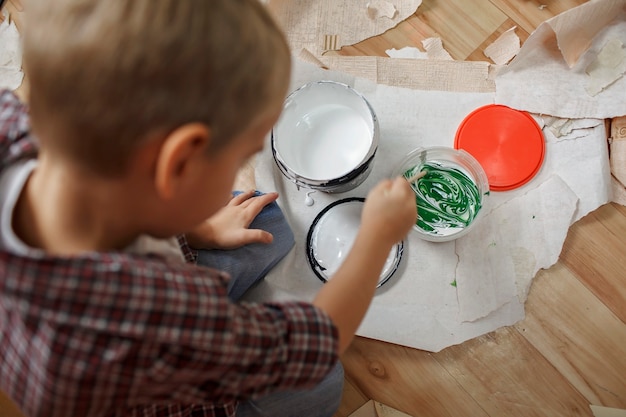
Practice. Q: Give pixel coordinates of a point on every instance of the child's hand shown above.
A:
(228, 228)
(390, 210)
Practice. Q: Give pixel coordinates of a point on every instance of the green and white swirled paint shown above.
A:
(447, 198)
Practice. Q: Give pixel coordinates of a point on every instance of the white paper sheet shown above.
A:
(419, 306)
(499, 259)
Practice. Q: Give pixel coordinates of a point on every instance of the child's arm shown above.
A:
(388, 215)
(229, 227)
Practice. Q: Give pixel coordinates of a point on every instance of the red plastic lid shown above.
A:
(508, 143)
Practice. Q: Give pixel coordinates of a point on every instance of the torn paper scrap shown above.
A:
(503, 49)
(435, 50)
(567, 129)
(618, 157)
(499, 259)
(381, 8)
(11, 74)
(539, 80)
(307, 56)
(618, 151)
(608, 67)
(618, 192)
(385, 411)
(323, 25)
(599, 411)
(375, 409)
(618, 160)
(408, 52)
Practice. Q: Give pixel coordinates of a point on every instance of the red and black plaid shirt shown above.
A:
(115, 334)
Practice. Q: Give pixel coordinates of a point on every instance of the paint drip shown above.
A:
(308, 201)
(447, 199)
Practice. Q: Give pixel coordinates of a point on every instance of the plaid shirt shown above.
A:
(114, 334)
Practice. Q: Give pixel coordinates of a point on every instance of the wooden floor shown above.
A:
(570, 350)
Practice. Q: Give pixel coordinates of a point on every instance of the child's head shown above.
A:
(106, 76)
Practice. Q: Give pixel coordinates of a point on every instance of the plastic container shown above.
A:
(326, 137)
(450, 197)
(508, 143)
(332, 235)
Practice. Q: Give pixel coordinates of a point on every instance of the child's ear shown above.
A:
(178, 152)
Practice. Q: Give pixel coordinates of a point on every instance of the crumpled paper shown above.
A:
(439, 297)
(549, 74)
(11, 74)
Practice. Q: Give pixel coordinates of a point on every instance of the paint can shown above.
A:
(332, 235)
(326, 137)
(451, 194)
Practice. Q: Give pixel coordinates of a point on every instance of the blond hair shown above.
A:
(106, 75)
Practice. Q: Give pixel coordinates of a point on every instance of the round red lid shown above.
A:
(508, 143)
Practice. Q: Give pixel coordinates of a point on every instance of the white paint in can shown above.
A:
(328, 142)
(326, 132)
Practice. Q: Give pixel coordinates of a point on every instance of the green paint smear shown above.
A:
(453, 283)
(446, 197)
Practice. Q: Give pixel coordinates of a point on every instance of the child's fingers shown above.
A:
(389, 188)
(240, 198)
(402, 185)
(256, 236)
(256, 204)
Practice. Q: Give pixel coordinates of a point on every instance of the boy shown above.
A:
(143, 112)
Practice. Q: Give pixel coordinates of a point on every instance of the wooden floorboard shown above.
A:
(578, 335)
(595, 251)
(409, 380)
(507, 376)
(353, 398)
(528, 14)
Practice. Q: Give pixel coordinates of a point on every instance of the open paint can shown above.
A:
(332, 235)
(450, 188)
(326, 137)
